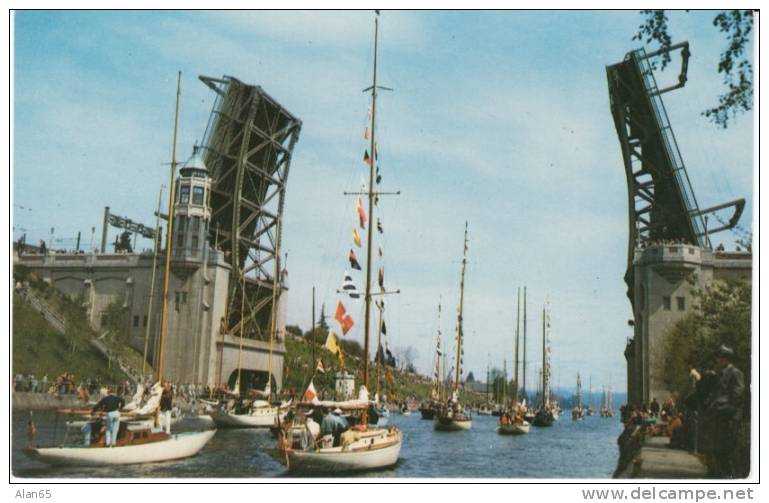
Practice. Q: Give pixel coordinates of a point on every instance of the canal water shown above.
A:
(584, 449)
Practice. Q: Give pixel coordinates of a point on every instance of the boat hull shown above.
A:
(513, 429)
(338, 459)
(262, 420)
(427, 413)
(448, 424)
(178, 446)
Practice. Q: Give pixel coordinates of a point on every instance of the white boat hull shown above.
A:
(514, 429)
(178, 446)
(359, 456)
(261, 419)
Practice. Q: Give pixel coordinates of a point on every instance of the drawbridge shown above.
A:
(248, 144)
(662, 206)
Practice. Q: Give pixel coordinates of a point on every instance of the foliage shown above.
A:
(116, 320)
(734, 63)
(721, 316)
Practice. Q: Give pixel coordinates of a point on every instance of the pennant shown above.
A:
(310, 394)
(379, 226)
(379, 250)
(361, 214)
(384, 328)
(341, 359)
(365, 134)
(331, 342)
(354, 260)
(349, 287)
(378, 178)
(356, 237)
(381, 277)
(319, 367)
(367, 158)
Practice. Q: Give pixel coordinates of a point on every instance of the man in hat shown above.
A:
(726, 406)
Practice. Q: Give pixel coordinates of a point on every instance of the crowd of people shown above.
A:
(706, 422)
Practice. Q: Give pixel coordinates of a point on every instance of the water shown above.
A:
(568, 449)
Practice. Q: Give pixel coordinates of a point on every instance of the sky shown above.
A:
(500, 119)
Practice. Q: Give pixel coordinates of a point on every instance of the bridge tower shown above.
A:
(668, 234)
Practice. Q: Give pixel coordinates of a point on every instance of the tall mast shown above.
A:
(152, 282)
(275, 286)
(524, 341)
(312, 327)
(370, 209)
(459, 315)
(169, 243)
(437, 365)
(515, 366)
(544, 362)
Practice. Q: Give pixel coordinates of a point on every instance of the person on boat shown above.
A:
(333, 424)
(166, 407)
(726, 405)
(111, 405)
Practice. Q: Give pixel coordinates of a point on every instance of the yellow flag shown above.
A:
(356, 237)
(331, 343)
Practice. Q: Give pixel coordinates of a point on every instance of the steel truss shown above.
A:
(661, 202)
(248, 145)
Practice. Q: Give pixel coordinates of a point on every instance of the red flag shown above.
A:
(340, 312)
(345, 320)
(353, 260)
(361, 214)
(346, 324)
(366, 158)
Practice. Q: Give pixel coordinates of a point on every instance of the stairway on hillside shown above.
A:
(58, 323)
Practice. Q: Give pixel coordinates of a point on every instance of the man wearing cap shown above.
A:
(726, 405)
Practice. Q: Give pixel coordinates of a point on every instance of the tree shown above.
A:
(322, 320)
(294, 330)
(721, 315)
(734, 63)
(470, 377)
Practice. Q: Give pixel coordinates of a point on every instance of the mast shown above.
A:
(379, 356)
(312, 327)
(276, 284)
(169, 234)
(459, 315)
(437, 364)
(523, 387)
(544, 362)
(169, 243)
(504, 382)
(152, 282)
(515, 366)
(370, 210)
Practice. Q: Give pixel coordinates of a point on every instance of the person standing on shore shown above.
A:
(726, 406)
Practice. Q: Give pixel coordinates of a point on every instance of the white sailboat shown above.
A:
(452, 416)
(136, 442)
(513, 423)
(362, 447)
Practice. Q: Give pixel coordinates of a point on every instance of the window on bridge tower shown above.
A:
(681, 301)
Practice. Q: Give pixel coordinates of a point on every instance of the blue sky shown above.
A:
(498, 118)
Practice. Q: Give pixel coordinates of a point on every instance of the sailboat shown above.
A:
(452, 416)
(137, 441)
(513, 423)
(607, 409)
(362, 447)
(544, 414)
(256, 412)
(578, 412)
(429, 407)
